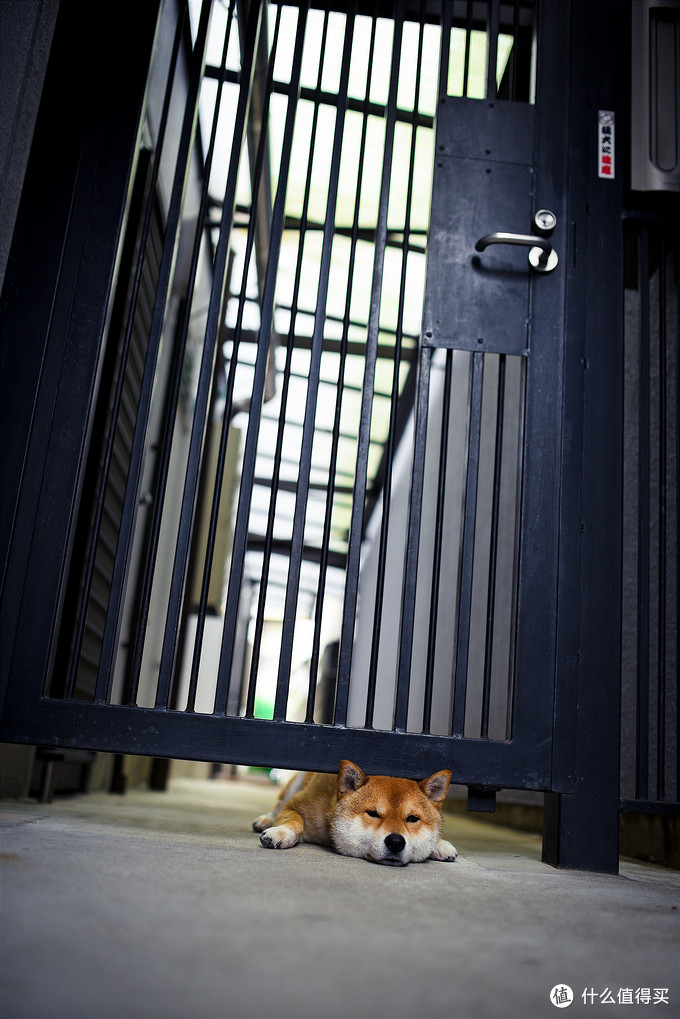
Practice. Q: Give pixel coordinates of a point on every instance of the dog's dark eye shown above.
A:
(373, 813)
(412, 818)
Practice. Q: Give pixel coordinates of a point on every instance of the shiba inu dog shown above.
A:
(394, 821)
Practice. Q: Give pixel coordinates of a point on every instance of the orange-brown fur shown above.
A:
(382, 819)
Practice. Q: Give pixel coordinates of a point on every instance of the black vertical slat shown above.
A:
(674, 267)
(278, 450)
(302, 491)
(444, 54)
(644, 600)
(202, 489)
(124, 352)
(113, 616)
(250, 44)
(468, 547)
(213, 321)
(393, 420)
(330, 494)
(492, 49)
(514, 53)
(259, 379)
(493, 549)
(516, 517)
(445, 48)
(278, 457)
(187, 548)
(468, 41)
(173, 395)
(258, 182)
(408, 598)
(364, 432)
(438, 543)
(663, 550)
(151, 537)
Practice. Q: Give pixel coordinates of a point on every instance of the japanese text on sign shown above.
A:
(606, 144)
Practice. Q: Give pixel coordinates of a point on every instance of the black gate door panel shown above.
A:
(484, 183)
(334, 467)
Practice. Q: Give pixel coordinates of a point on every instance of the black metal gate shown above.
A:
(312, 502)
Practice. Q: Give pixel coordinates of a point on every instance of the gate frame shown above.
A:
(581, 828)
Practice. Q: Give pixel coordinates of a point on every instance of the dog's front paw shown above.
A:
(444, 851)
(279, 837)
(262, 822)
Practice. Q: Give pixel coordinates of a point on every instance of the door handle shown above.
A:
(542, 255)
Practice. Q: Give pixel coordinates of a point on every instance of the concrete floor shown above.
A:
(165, 905)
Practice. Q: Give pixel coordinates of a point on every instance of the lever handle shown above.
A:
(527, 239)
(542, 255)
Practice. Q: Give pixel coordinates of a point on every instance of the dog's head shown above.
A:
(393, 821)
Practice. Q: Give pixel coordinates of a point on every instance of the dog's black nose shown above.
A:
(395, 843)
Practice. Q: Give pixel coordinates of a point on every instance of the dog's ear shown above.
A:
(350, 777)
(436, 786)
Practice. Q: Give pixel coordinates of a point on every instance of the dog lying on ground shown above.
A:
(393, 821)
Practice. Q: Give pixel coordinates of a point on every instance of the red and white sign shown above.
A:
(605, 167)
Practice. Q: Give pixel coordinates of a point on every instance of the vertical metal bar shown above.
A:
(302, 492)
(202, 488)
(125, 347)
(662, 554)
(278, 451)
(224, 431)
(445, 47)
(323, 567)
(493, 549)
(438, 543)
(173, 394)
(644, 593)
(415, 510)
(408, 599)
(445, 21)
(674, 314)
(259, 379)
(391, 434)
(510, 701)
(468, 43)
(492, 49)
(468, 548)
(113, 616)
(364, 433)
(213, 320)
(151, 538)
(252, 48)
(514, 53)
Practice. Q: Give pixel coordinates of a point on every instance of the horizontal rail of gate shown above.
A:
(248, 533)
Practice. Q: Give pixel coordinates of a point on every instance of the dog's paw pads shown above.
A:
(444, 851)
(262, 822)
(279, 837)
